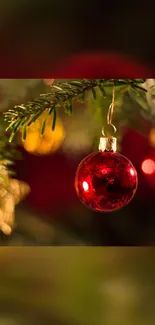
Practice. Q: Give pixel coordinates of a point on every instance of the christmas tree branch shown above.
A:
(8, 151)
(61, 94)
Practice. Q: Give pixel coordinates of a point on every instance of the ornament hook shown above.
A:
(108, 141)
(111, 107)
(109, 128)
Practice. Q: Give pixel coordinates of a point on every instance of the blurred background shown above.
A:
(52, 213)
(57, 285)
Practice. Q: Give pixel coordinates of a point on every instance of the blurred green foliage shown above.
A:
(110, 286)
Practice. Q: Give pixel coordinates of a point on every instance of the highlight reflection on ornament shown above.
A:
(50, 142)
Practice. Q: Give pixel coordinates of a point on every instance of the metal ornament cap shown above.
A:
(108, 144)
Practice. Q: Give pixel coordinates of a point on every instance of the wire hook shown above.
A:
(111, 107)
(109, 125)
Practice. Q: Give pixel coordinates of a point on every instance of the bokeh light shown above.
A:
(148, 166)
(51, 140)
(152, 137)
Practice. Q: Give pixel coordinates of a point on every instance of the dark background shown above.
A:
(45, 33)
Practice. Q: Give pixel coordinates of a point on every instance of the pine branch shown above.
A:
(61, 94)
(8, 151)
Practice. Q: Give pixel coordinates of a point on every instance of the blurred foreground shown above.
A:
(110, 286)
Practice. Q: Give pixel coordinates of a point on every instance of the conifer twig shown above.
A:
(60, 94)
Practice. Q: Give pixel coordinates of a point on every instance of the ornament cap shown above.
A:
(108, 144)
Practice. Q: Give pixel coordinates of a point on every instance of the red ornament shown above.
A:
(106, 181)
(99, 64)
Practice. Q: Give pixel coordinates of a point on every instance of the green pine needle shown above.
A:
(61, 94)
(54, 119)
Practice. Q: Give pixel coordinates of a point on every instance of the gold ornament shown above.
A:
(152, 137)
(12, 192)
(47, 143)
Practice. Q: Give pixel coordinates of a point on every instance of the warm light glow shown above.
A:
(151, 137)
(85, 186)
(49, 142)
(48, 82)
(148, 166)
(132, 172)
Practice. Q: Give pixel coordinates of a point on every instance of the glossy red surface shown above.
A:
(106, 181)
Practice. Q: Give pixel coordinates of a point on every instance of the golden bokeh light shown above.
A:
(47, 143)
(152, 137)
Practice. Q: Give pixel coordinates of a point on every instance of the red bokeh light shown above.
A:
(148, 166)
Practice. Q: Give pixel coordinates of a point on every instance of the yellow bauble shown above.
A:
(47, 143)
